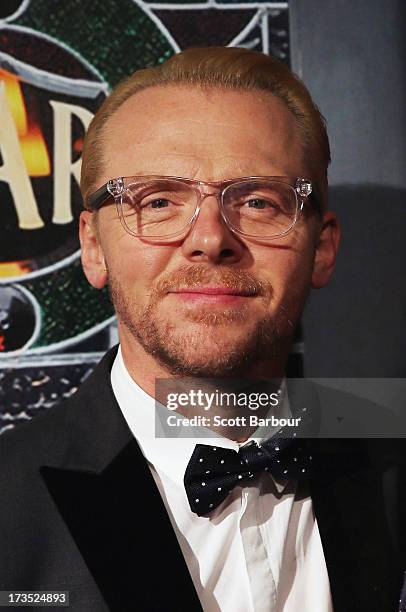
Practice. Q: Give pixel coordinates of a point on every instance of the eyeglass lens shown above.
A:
(165, 207)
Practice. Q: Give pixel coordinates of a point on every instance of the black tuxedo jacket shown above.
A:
(80, 512)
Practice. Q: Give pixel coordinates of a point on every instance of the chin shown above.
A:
(208, 352)
(202, 366)
(219, 338)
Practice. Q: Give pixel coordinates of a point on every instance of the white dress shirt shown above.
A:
(260, 549)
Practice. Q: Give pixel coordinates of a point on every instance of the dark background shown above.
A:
(352, 56)
(8, 6)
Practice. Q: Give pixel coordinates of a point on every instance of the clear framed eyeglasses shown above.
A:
(157, 207)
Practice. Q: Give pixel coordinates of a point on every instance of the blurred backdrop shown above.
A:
(58, 61)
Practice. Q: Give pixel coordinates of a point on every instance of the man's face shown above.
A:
(211, 136)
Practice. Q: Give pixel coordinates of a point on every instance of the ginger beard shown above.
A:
(204, 341)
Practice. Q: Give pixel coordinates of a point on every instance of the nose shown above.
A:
(210, 240)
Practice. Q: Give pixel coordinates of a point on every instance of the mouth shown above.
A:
(212, 295)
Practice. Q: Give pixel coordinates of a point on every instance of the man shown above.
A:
(205, 188)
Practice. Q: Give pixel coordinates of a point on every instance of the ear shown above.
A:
(92, 255)
(326, 250)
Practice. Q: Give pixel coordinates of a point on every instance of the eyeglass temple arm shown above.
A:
(98, 198)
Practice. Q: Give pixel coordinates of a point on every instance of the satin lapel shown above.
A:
(121, 528)
(348, 503)
(106, 494)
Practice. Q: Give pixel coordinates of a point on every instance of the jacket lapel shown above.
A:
(349, 506)
(357, 527)
(107, 496)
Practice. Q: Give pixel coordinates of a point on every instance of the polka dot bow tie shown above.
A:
(213, 472)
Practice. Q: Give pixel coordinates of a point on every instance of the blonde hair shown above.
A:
(219, 67)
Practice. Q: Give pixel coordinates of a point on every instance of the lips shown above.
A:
(213, 291)
(212, 295)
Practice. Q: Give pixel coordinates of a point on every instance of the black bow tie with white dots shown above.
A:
(213, 472)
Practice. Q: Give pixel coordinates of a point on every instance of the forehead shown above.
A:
(187, 130)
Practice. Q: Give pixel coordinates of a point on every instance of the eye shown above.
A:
(259, 203)
(154, 203)
(159, 203)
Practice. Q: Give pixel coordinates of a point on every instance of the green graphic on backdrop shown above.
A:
(116, 38)
(95, 42)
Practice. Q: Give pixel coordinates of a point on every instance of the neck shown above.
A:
(233, 400)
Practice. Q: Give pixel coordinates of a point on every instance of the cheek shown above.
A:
(139, 265)
(289, 270)
(129, 258)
